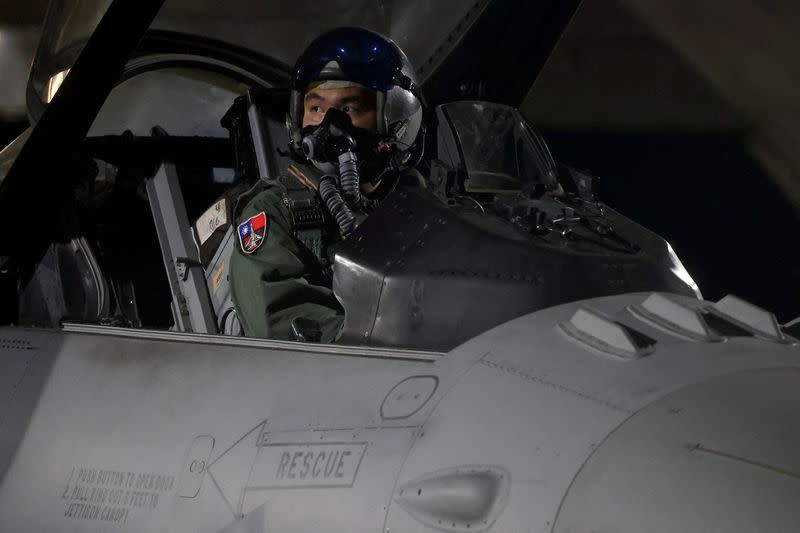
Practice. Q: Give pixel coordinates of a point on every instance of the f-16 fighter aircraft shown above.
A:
(506, 354)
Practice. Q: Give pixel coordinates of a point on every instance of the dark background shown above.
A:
(730, 225)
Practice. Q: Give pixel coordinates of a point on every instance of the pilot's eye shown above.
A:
(347, 109)
(316, 109)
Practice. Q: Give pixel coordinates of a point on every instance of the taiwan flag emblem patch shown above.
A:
(252, 232)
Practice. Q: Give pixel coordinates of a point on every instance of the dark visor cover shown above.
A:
(363, 56)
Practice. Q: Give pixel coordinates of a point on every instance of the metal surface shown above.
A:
(249, 342)
(272, 422)
(461, 499)
(535, 426)
(445, 275)
(220, 434)
(191, 305)
(25, 364)
(713, 469)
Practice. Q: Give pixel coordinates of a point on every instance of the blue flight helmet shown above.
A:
(367, 58)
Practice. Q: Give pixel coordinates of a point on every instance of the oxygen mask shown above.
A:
(334, 146)
(331, 138)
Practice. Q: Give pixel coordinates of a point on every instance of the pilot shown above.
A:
(355, 127)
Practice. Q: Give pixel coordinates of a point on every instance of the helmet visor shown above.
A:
(363, 57)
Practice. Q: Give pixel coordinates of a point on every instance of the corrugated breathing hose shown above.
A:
(336, 205)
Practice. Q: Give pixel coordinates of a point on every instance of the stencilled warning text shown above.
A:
(306, 465)
(112, 496)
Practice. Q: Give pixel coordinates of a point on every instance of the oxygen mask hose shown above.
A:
(349, 178)
(336, 205)
(331, 142)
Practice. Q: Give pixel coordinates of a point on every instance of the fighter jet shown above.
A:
(516, 355)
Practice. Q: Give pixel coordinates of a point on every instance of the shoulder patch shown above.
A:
(252, 232)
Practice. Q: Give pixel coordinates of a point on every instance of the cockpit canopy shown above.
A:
(494, 147)
(498, 228)
(276, 29)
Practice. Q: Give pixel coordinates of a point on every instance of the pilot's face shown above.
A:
(358, 102)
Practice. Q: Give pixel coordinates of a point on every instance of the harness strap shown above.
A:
(309, 219)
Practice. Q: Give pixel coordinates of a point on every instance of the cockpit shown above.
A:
(499, 229)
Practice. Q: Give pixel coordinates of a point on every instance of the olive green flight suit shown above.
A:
(281, 279)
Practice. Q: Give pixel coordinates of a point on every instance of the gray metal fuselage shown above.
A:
(522, 428)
